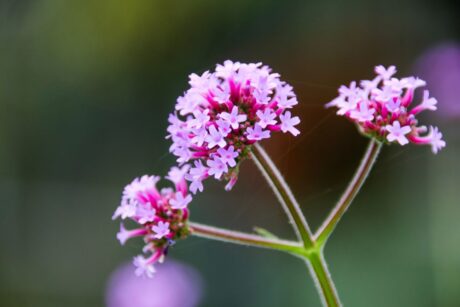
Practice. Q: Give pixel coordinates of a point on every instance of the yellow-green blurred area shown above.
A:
(85, 90)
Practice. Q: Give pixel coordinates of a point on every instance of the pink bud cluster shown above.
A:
(223, 114)
(161, 216)
(382, 109)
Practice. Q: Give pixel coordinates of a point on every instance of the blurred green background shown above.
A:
(85, 89)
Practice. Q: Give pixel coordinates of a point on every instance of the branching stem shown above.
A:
(353, 188)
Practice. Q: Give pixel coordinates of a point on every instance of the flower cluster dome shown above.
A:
(223, 113)
(161, 216)
(382, 108)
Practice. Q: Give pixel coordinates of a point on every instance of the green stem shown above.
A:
(312, 250)
(242, 238)
(353, 188)
(313, 257)
(324, 282)
(284, 195)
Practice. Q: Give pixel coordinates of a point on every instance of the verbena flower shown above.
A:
(161, 216)
(225, 112)
(383, 108)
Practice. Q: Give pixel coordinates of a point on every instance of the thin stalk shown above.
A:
(242, 238)
(353, 188)
(284, 195)
(324, 283)
(313, 257)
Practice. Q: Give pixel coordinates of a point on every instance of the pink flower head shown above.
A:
(223, 113)
(161, 216)
(382, 108)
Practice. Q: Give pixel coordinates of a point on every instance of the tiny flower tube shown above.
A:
(222, 114)
(382, 108)
(161, 216)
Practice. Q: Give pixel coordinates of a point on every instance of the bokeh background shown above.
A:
(85, 89)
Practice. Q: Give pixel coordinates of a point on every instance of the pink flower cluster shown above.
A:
(223, 114)
(161, 216)
(381, 109)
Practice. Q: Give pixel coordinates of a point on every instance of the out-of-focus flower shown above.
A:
(223, 114)
(381, 109)
(440, 67)
(175, 285)
(161, 216)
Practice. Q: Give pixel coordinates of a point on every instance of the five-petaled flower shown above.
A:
(161, 229)
(381, 109)
(223, 114)
(397, 133)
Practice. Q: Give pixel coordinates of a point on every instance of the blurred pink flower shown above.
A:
(440, 67)
(175, 285)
